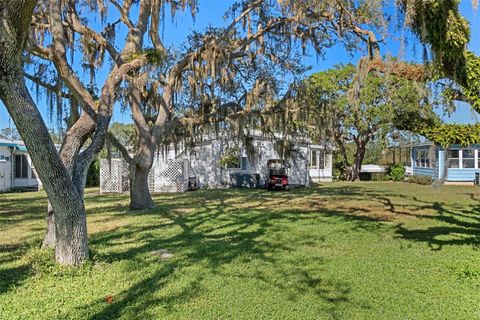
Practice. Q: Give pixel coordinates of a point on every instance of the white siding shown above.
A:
(5, 169)
(325, 174)
(203, 162)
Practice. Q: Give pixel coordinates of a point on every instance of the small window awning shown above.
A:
(21, 148)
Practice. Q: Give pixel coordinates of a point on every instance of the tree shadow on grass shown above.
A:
(214, 228)
(214, 236)
(448, 224)
(10, 277)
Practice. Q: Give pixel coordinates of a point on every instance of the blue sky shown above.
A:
(211, 13)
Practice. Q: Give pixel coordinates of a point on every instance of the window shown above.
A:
(317, 159)
(244, 163)
(468, 158)
(423, 159)
(21, 166)
(321, 159)
(313, 159)
(454, 158)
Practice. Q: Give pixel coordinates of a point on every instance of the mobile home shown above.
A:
(455, 164)
(306, 163)
(16, 169)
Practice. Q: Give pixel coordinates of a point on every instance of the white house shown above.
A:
(16, 169)
(306, 163)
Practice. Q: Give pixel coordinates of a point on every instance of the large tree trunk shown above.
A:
(140, 197)
(139, 166)
(358, 159)
(69, 212)
(345, 170)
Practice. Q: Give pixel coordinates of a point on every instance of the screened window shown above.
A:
(321, 159)
(313, 159)
(317, 159)
(468, 158)
(21, 166)
(454, 158)
(423, 159)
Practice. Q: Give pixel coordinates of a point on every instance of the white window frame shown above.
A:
(421, 162)
(474, 159)
(477, 159)
(460, 159)
(476, 154)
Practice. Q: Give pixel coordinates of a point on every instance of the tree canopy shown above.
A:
(384, 103)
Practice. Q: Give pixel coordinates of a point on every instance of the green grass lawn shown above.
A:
(337, 251)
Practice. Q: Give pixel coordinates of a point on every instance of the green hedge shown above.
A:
(424, 180)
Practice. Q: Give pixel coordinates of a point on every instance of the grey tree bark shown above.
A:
(140, 197)
(69, 212)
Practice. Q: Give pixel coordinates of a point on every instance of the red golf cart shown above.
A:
(277, 175)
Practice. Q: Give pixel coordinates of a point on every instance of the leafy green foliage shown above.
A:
(383, 104)
(230, 158)
(448, 134)
(424, 180)
(440, 25)
(395, 172)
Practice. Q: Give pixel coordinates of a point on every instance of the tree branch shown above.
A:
(120, 147)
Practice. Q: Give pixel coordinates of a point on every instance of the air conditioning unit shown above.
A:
(477, 179)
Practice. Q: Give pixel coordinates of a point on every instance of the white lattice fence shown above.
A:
(169, 176)
(111, 172)
(165, 176)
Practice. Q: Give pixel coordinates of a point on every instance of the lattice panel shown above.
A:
(169, 176)
(163, 177)
(110, 175)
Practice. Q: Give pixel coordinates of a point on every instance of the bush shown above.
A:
(395, 172)
(93, 174)
(424, 180)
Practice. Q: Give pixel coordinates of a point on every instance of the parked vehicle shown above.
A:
(277, 175)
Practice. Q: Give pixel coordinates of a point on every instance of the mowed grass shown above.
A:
(337, 251)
